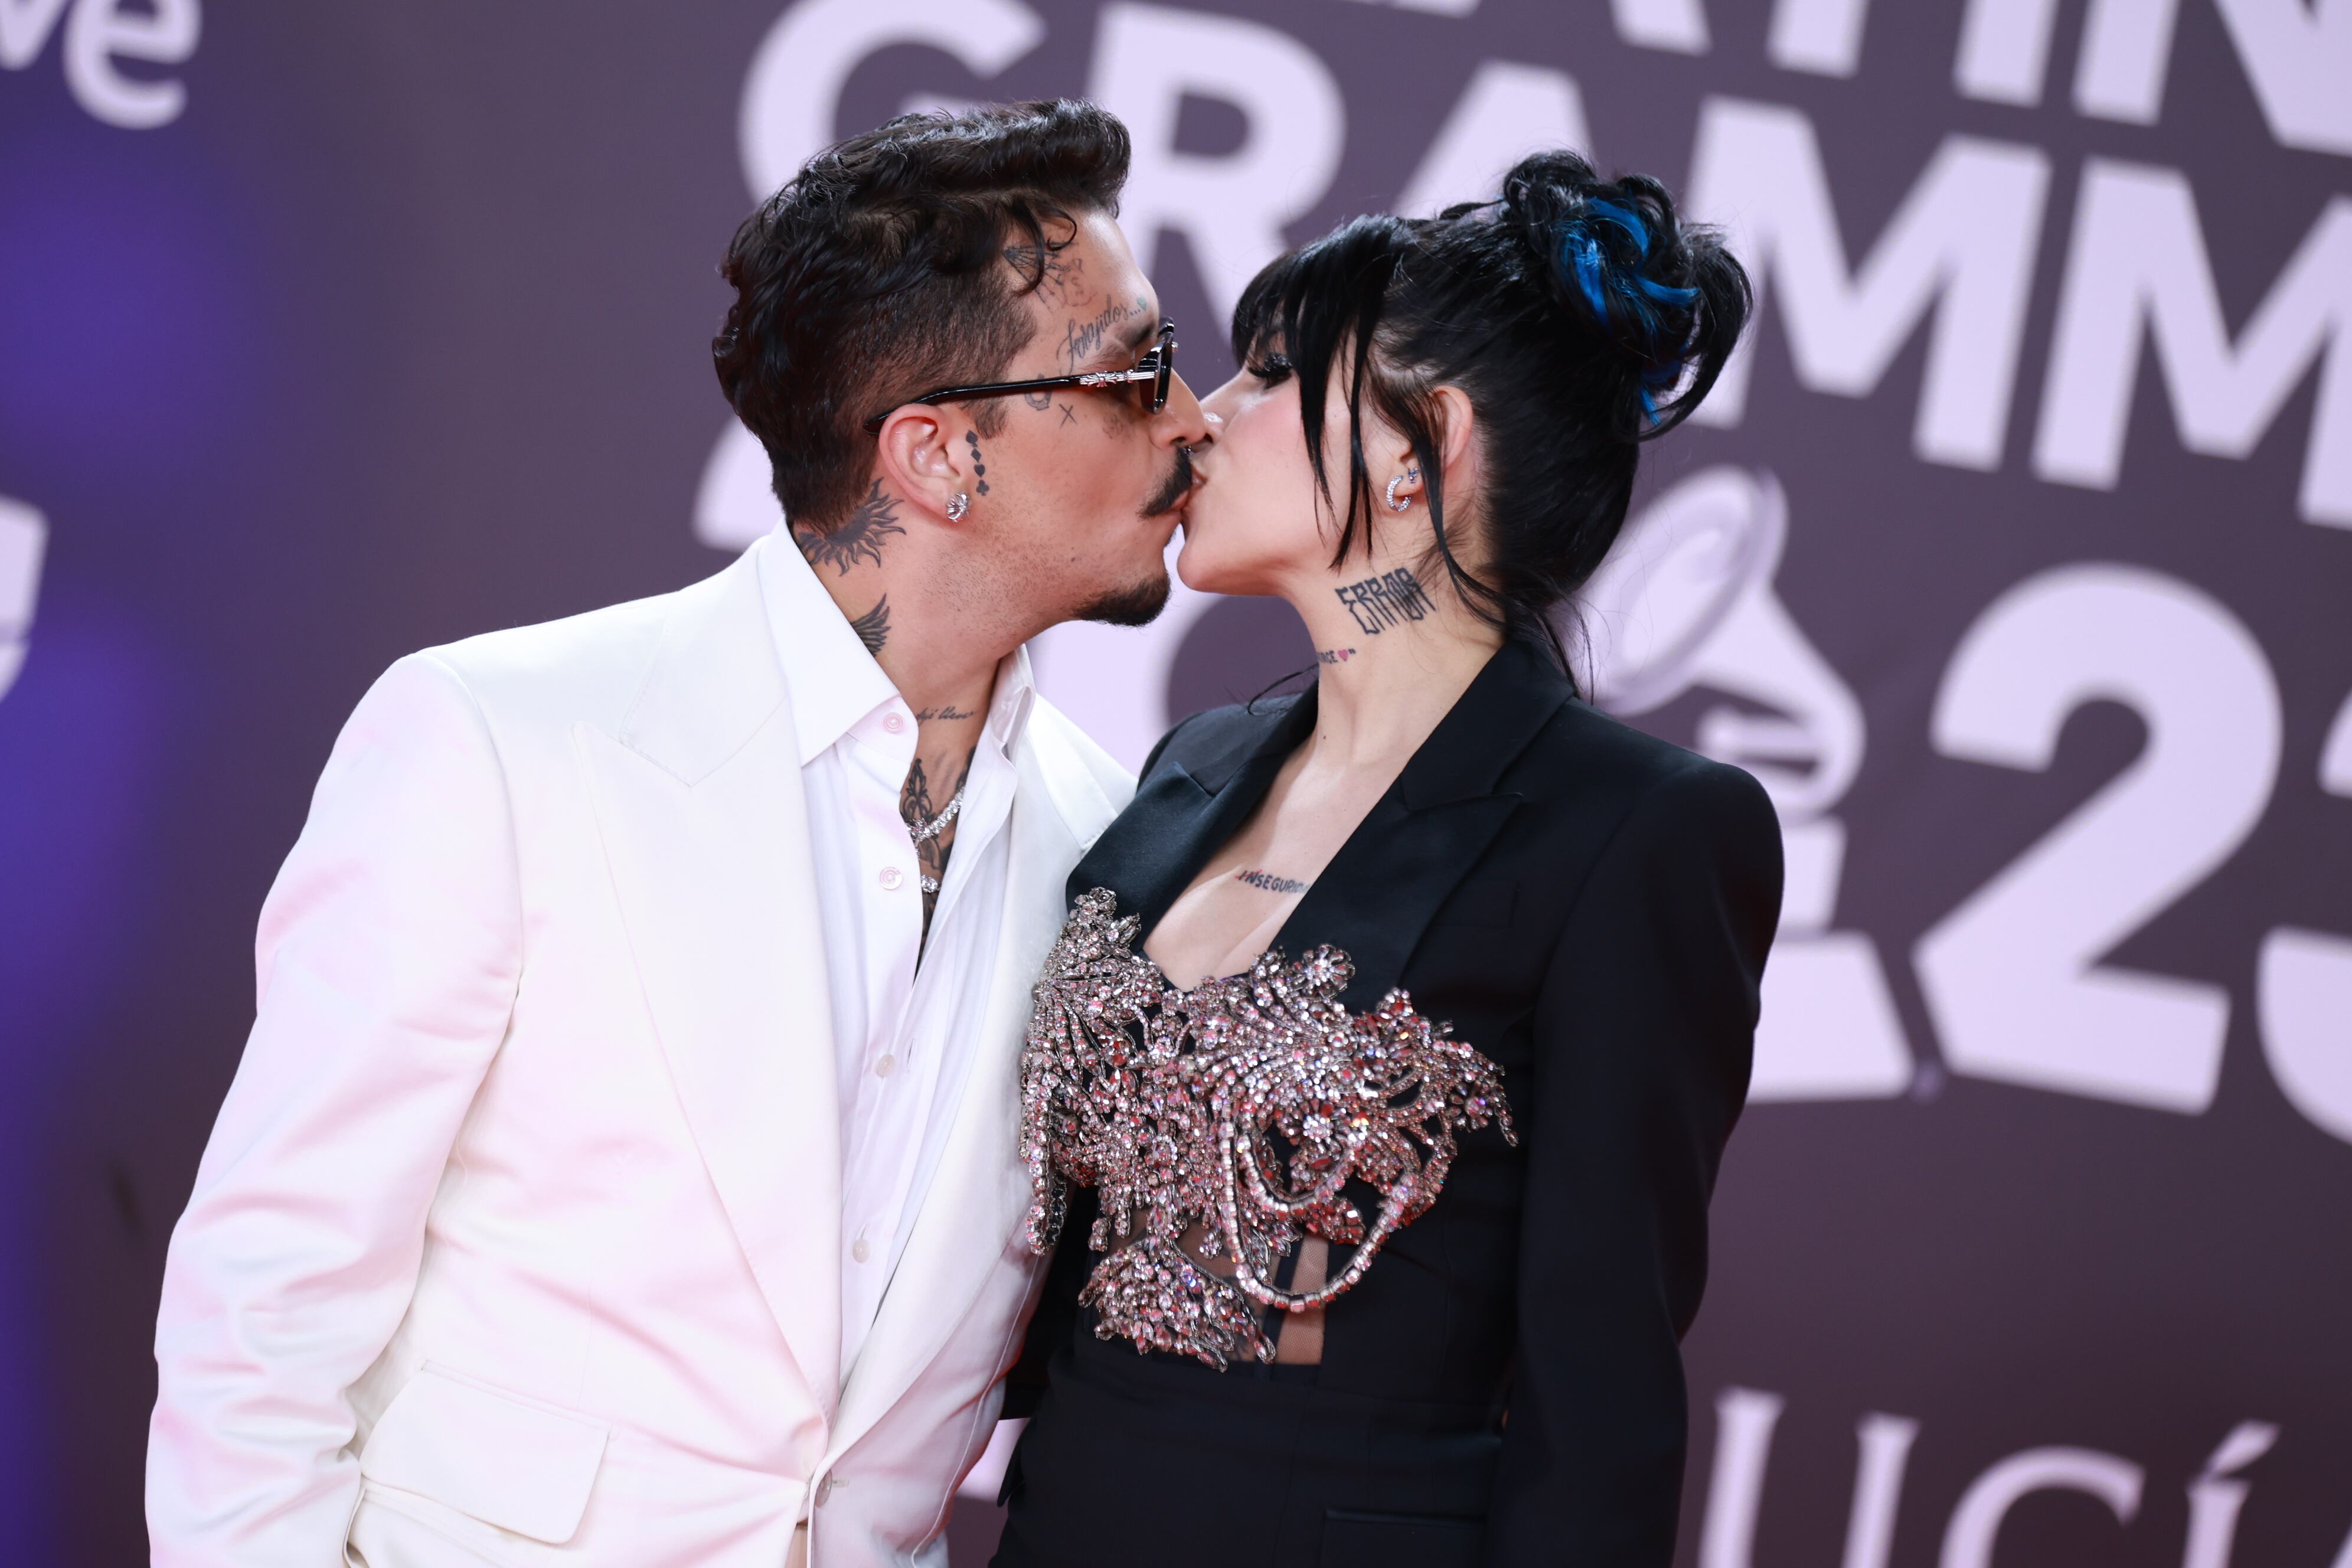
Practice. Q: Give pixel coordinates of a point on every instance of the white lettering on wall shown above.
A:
(1686, 602)
(1884, 1444)
(1676, 25)
(97, 34)
(1824, 37)
(1744, 1419)
(1962, 242)
(2137, 267)
(2216, 1496)
(22, 536)
(1508, 111)
(794, 84)
(2304, 991)
(2005, 49)
(1976, 1523)
(2014, 976)
(1232, 208)
(2127, 50)
(2296, 54)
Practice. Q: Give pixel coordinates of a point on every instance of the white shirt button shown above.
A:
(860, 1250)
(824, 1491)
(887, 1065)
(892, 877)
(892, 723)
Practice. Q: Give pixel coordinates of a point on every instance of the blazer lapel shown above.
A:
(1181, 816)
(970, 1216)
(1414, 846)
(699, 804)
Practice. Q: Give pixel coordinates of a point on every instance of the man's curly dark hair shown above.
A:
(878, 274)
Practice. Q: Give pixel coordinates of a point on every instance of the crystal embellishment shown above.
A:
(1244, 1105)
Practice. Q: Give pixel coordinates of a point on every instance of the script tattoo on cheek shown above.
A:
(1334, 655)
(979, 468)
(1387, 600)
(860, 538)
(873, 628)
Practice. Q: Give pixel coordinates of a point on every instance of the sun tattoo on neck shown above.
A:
(859, 538)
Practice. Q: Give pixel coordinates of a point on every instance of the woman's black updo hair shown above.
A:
(1580, 317)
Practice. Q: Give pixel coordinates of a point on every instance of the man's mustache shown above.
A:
(1179, 484)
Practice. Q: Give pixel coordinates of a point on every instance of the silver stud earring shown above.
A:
(1394, 504)
(958, 504)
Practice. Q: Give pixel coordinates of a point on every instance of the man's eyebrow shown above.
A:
(1146, 328)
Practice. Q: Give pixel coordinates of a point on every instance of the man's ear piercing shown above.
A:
(958, 504)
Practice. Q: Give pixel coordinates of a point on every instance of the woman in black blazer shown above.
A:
(1341, 1276)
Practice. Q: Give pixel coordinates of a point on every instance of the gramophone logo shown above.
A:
(22, 535)
(1684, 603)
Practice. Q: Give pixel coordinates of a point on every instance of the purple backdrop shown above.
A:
(2017, 561)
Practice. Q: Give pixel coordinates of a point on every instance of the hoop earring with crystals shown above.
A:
(958, 504)
(1406, 504)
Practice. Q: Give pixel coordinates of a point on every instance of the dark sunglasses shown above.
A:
(1158, 366)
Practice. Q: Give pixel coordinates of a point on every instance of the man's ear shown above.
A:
(916, 459)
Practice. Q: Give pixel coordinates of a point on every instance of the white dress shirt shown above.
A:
(902, 1029)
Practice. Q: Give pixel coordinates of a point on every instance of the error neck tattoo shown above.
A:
(1385, 601)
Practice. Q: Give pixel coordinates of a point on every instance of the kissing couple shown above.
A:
(715, 1055)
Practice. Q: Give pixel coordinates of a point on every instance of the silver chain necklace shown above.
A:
(922, 832)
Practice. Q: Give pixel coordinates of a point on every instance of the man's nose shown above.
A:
(1184, 423)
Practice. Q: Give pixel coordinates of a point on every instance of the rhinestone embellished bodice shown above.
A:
(1244, 1105)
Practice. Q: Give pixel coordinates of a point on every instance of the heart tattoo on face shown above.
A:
(979, 468)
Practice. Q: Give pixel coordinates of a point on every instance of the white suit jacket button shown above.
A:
(860, 1251)
(892, 876)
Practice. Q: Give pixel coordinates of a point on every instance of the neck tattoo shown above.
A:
(1270, 882)
(1387, 600)
(1334, 655)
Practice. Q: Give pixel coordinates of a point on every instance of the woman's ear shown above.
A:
(917, 460)
(1454, 422)
(1451, 421)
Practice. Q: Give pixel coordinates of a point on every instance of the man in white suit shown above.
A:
(621, 1170)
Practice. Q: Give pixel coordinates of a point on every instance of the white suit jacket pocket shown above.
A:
(517, 1464)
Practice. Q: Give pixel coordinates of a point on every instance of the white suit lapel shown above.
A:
(705, 827)
(971, 1214)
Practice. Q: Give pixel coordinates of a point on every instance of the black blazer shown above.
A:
(1589, 906)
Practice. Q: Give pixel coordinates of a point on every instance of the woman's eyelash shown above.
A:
(1272, 368)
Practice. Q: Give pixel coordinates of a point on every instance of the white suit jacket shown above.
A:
(516, 1240)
